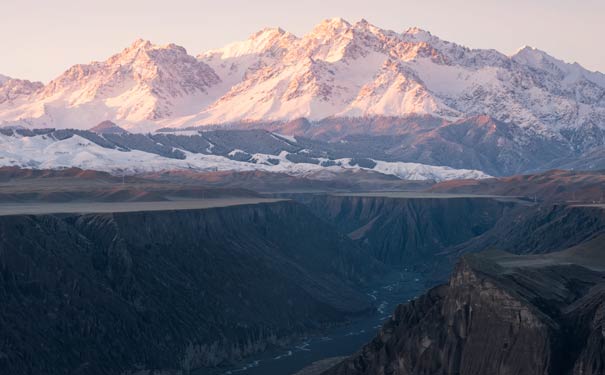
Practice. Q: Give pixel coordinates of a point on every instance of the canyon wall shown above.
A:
(409, 231)
(499, 314)
(170, 290)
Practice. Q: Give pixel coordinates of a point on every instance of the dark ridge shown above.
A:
(107, 127)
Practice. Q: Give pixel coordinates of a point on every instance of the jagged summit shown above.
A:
(142, 84)
(537, 59)
(268, 33)
(140, 43)
(264, 41)
(12, 89)
(331, 26)
(338, 69)
(418, 34)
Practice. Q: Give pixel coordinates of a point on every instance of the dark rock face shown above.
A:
(409, 231)
(539, 229)
(499, 314)
(172, 290)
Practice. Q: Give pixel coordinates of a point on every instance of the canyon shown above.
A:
(174, 289)
(346, 200)
(205, 290)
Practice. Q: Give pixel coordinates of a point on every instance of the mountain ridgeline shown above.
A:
(339, 69)
(420, 98)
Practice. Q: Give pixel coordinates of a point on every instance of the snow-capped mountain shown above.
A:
(336, 76)
(139, 86)
(12, 89)
(358, 70)
(339, 69)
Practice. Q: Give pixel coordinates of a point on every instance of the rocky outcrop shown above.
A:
(499, 314)
(170, 290)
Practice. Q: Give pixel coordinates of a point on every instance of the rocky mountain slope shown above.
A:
(499, 314)
(170, 290)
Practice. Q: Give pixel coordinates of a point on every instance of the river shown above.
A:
(337, 341)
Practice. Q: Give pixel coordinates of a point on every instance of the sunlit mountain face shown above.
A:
(395, 97)
(339, 69)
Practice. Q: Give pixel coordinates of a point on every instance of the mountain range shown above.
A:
(339, 69)
(447, 104)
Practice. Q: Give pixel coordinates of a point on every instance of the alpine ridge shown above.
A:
(339, 69)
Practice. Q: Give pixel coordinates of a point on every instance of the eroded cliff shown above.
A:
(171, 290)
(499, 314)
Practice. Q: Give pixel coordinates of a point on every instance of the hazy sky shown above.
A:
(42, 38)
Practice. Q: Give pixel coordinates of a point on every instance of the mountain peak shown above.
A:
(417, 34)
(146, 46)
(364, 26)
(336, 21)
(12, 89)
(143, 82)
(538, 59)
(541, 60)
(141, 43)
(268, 32)
(258, 43)
(106, 127)
(331, 26)
(529, 52)
(337, 69)
(526, 48)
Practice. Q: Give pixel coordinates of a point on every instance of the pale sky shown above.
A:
(42, 38)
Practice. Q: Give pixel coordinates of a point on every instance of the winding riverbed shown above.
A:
(334, 342)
